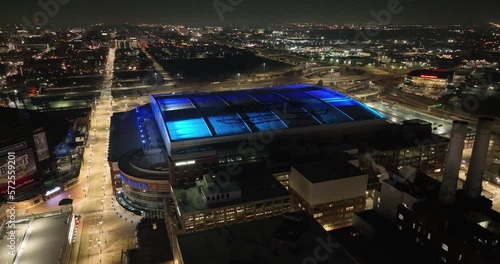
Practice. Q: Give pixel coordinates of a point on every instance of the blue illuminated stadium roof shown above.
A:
(204, 115)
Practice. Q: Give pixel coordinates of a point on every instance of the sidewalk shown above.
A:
(76, 193)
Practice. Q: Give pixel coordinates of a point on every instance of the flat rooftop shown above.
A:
(423, 186)
(136, 144)
(476, 213)
(124, 128)
(255, 185)
(322, 171)
(137, 164)
(206, 115)
(44, 243)
(273, 240)
(154, 244)
(389, 246)
(398, 140)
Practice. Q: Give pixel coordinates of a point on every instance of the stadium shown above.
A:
(176, 139)
(433, 82)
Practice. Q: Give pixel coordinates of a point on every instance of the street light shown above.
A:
(239, 78)
(264, 65)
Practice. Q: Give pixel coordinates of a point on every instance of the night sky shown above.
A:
(203, 12)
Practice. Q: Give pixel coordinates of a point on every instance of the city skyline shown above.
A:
(238, 131)
(222, 12)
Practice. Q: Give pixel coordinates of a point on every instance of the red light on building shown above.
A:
(429, 76)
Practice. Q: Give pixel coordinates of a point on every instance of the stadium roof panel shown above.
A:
(214, 114)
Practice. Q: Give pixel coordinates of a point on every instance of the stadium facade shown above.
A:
(433, 82)
(173, 151)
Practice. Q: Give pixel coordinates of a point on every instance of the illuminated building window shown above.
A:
(401, 217)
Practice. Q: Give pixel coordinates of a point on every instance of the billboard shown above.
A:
(25, 165)
(41, 146)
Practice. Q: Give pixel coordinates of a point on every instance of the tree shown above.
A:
(320, 83)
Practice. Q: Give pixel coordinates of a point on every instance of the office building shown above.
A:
(290, 238)
(330, 191)
(209, 202)
(435, 222)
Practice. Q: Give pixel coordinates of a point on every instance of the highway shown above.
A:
(399, 113)
(398, 106)
(420, 103)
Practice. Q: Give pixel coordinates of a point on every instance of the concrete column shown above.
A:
(473, 183)
(448, 188)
